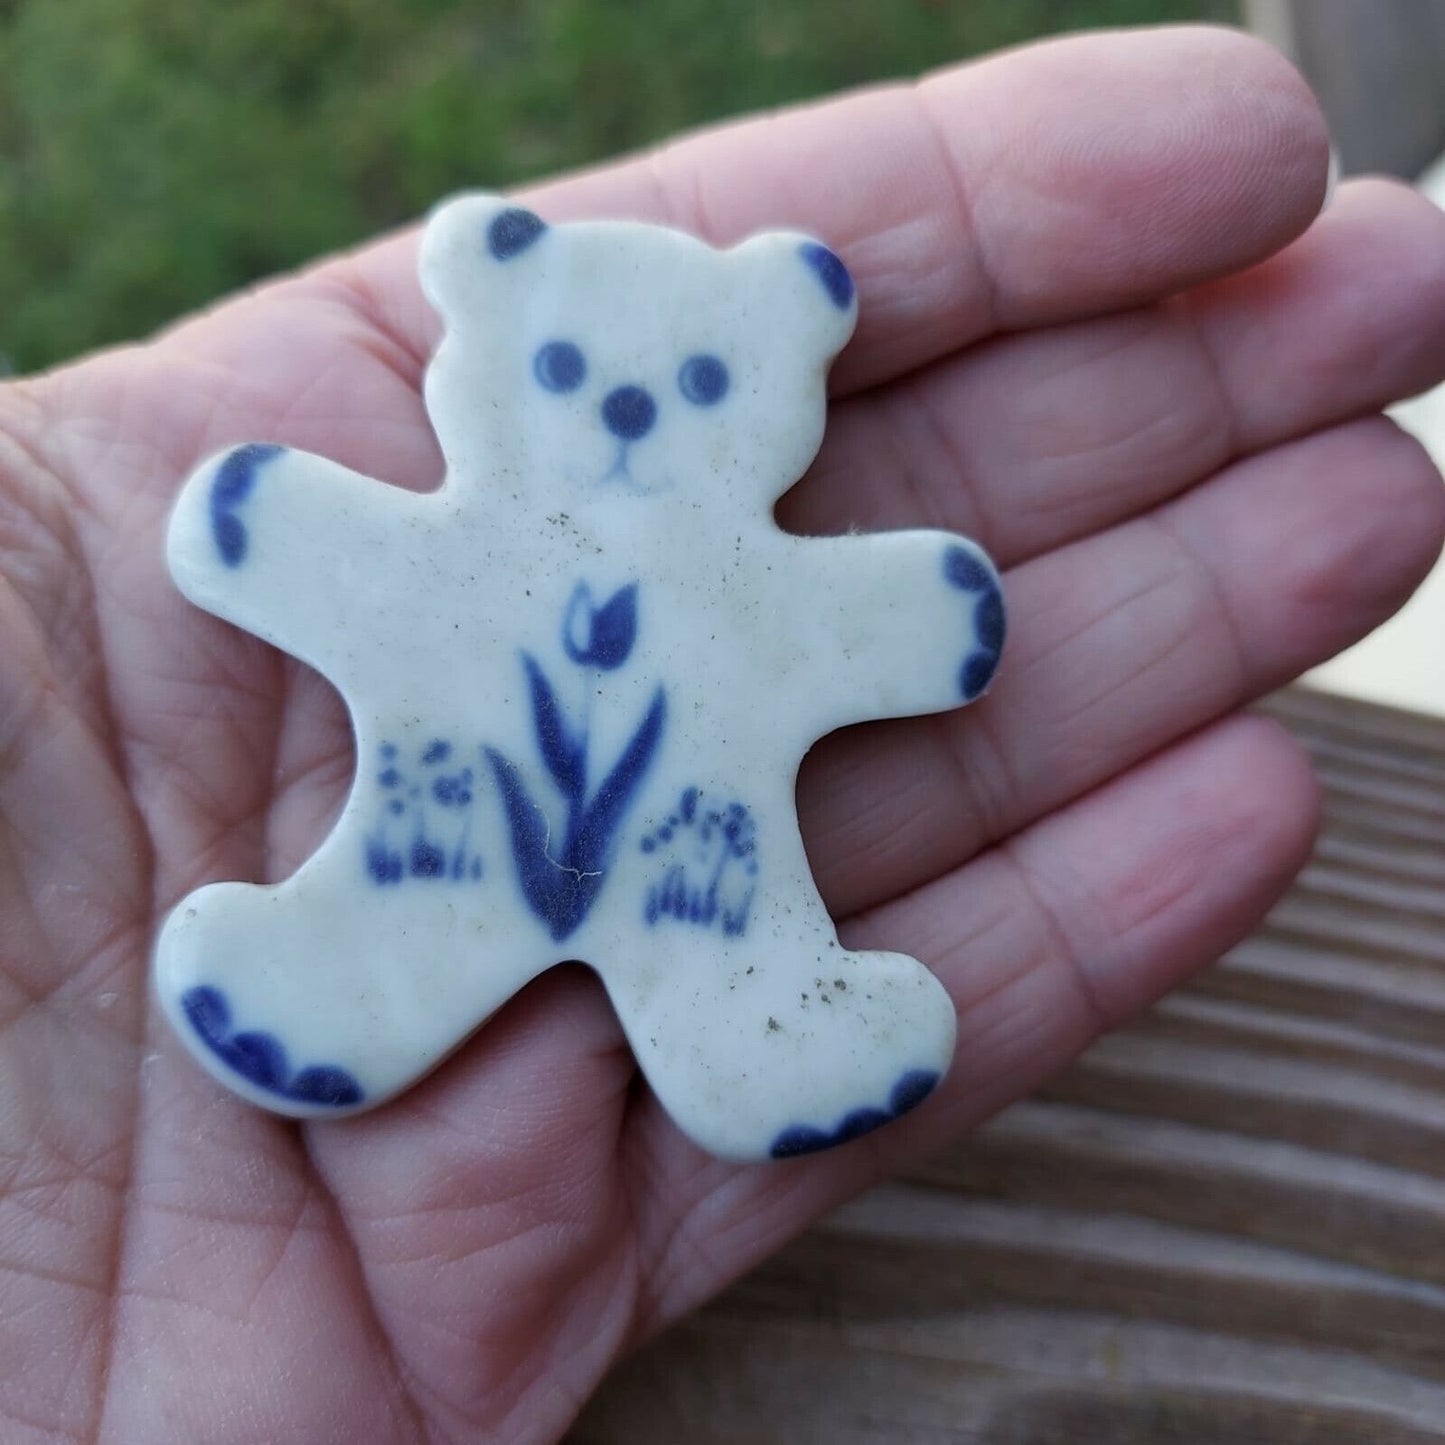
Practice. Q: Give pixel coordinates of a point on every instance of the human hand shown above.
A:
(1089, 338)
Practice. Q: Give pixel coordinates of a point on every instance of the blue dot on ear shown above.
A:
(559, 366)
(966, 570)
(830, 271)
(703, 380)
(512, 232)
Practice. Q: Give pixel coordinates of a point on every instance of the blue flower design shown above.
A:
(560, 880)
(436, 805)
(600, 636)
(711, 881)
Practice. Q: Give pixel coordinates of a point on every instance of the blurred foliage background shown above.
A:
(155, 153)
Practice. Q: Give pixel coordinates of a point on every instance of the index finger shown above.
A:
(1038, 186)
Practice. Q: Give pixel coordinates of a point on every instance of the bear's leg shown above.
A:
(759, 1033)
(785, 1049)
(310, 999)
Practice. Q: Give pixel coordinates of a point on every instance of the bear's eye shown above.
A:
(559, 366)
(703, 380)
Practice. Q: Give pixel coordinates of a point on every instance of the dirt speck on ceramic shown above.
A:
(582, 675)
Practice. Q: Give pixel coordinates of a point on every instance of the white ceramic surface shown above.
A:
(582, 675)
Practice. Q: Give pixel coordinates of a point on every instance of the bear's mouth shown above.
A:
(619, 475)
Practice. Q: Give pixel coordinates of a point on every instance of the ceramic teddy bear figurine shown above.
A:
(582, 675)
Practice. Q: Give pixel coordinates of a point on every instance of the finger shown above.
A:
(1032, 441)
(490, 1226)
(1081, 921)
(1126, 641)
(1054, 182)
(228, 1266)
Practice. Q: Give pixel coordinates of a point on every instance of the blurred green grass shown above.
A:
(154, 154)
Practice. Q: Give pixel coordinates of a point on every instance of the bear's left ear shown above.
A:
(468, 235)
(810, 283)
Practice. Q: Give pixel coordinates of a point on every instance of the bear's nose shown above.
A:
(628, 413)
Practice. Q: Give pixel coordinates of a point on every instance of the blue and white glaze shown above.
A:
(582, 674)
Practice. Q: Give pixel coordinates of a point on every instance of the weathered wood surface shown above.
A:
(1226, 1223)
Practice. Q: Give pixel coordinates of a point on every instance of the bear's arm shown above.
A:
(902, 623)
(285, 544)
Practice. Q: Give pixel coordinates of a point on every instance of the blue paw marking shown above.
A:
(512, 232)
(234, 481)
(965, 571)
(908, 1093)
(830, 271)
(259, 1057)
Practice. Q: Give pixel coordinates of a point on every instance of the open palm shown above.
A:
(1102, 331)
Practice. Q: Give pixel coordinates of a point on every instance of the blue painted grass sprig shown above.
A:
(714, 880)
(430, 807)
(561, 881)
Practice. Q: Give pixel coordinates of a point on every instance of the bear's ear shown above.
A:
(467, 235)
(809, 284)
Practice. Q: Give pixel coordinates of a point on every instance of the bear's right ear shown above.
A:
(464, 236)
(809, 288)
